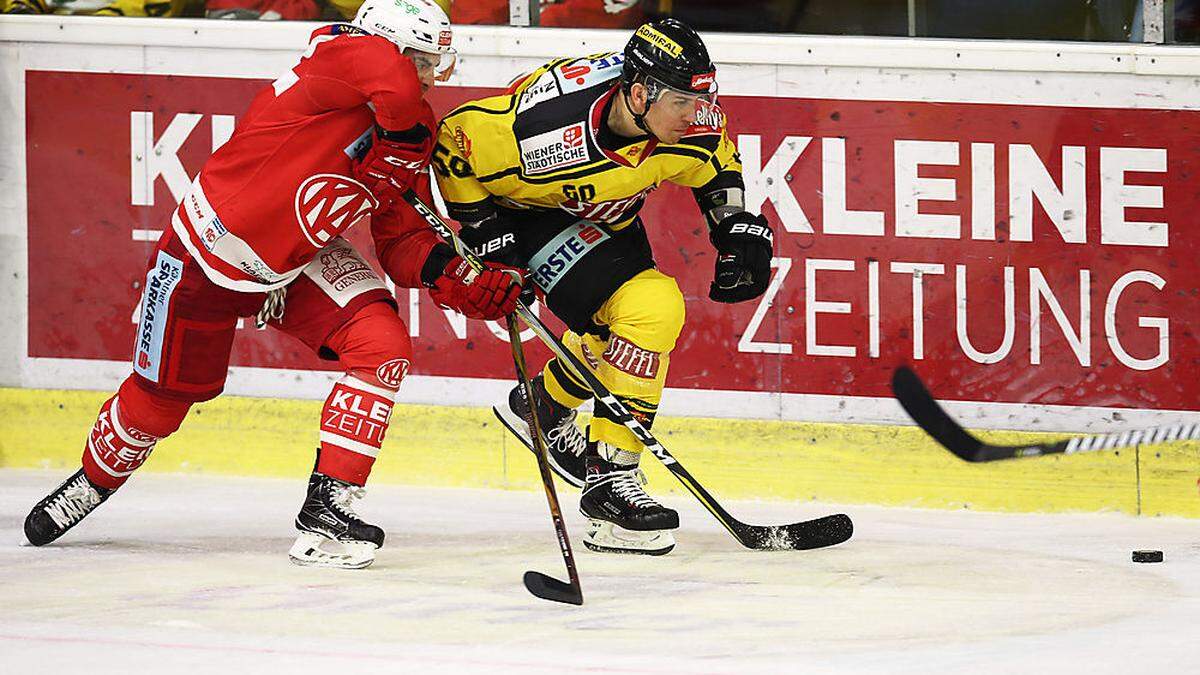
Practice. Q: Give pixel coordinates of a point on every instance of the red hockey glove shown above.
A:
(394, 161)
(490, 294)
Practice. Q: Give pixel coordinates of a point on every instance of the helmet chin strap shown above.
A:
(638, 118)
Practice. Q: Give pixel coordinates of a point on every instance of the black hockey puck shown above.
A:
(1147, 556)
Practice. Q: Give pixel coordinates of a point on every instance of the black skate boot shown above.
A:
(565, 443)
(331, 533)
(63, 509)
(622, 518)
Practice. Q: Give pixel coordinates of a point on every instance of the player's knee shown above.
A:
(149, 412)
(375, 346)
(657, 326)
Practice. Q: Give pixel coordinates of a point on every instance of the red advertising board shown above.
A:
(1014, 253)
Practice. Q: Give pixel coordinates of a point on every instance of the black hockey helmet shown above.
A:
(668, 52)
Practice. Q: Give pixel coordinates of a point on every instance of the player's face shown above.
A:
(670, 116)
(430, 67)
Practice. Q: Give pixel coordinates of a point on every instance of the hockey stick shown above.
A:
(808, 534)
(541, 585)
(925, 411)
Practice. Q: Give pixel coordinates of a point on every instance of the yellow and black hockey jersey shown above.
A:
(542, 156)
(536, 148)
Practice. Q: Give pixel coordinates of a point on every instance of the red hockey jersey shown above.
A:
(282, 187)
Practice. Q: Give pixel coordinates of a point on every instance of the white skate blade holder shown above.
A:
(314, 550)
(605, 537)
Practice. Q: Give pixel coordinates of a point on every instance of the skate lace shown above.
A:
(628, 486)
(568, 436)
(343, 498)
(74, 503)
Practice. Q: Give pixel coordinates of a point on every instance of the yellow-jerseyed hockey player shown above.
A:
(551, 176)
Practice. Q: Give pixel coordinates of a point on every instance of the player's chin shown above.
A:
(672, 137)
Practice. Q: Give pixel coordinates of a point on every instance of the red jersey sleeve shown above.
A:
(351, 70)
(403, 239)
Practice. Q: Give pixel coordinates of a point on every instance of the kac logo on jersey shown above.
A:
(392, 372)
(554, 150)
(327, 204)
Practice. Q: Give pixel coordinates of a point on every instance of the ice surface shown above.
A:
(190, 574)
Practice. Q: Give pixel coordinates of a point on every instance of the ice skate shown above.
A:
(331, 533)
(622, 518)
(565, 443)
(63, 508)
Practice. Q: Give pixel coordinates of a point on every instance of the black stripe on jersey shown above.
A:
(472, 107)
(708, 142)
(603, 165)
(683, 151)
(570, 384)
(551, 114)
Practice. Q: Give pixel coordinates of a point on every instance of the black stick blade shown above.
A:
(810, 534)
(925, 411)
(549, 588)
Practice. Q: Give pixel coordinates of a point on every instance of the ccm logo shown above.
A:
(752, 229)
(404, 164)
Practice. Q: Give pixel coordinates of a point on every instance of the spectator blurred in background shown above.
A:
(104, 7)
(559, 13)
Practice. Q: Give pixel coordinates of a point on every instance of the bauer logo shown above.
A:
(327, 204)
(555, 259)
(161, 281)
(444, 38)
(554, 150)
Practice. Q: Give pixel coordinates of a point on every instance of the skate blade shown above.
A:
(520, 429)
(313, 550)
(605, 537)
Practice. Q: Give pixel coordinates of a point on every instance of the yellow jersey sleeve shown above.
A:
(722, 158)
(475, 145)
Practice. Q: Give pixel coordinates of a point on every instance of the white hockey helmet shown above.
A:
(412, 24)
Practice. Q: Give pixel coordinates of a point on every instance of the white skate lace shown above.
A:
(571, 437)
(272, 308)
(344, 496)
(628, 486)
(74, 503)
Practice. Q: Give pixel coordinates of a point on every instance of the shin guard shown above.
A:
(115, 448)
(353, 423)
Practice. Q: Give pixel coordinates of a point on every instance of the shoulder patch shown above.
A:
(588, 71)
(544, 88)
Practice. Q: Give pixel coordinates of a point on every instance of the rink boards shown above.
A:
(735, 459)
(1013, 219)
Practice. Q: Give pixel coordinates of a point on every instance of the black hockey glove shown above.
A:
(744, 244)
(494, 239)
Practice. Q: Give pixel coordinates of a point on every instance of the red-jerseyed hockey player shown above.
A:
(337, 139)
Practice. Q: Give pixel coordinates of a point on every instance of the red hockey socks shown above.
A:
(129, 425)
(375, 349)
(353, 423)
